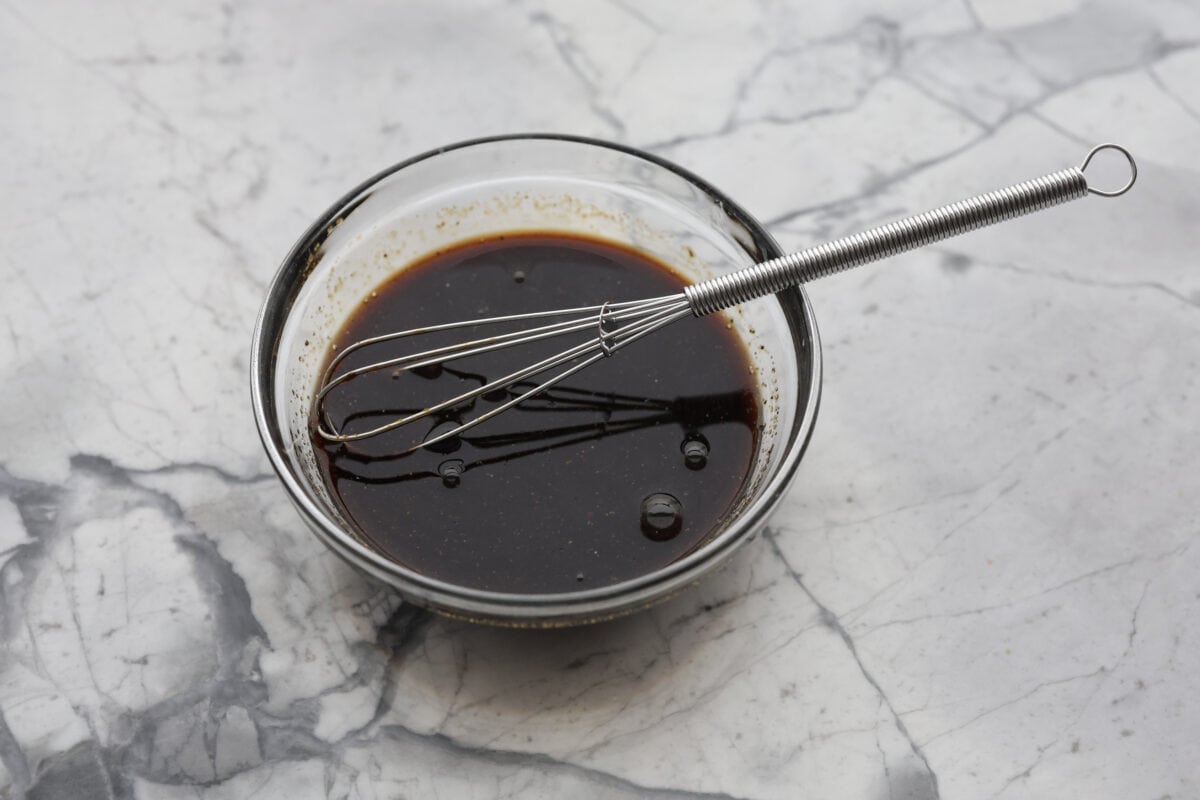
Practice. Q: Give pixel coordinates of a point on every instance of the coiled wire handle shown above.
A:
(905, 234)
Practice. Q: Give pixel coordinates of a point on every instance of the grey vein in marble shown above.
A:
(982, 584)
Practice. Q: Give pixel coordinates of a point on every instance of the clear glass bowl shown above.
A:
(526, 183)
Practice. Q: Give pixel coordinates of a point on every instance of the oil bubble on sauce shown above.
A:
(451, 471)
(662, 516)
(695, 451)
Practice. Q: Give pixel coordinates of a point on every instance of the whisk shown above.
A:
(609, 327)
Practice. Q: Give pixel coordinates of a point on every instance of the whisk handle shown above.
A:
(896, 237)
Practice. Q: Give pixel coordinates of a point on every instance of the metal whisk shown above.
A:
(617, 325)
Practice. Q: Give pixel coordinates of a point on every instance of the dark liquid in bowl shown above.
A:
(623, 469)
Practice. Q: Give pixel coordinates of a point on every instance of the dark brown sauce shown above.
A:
(571, 490)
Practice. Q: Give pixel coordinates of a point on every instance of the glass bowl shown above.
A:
(545, 183)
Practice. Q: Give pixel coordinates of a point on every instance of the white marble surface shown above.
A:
(984, 583)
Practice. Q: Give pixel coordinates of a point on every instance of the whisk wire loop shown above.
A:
(641, 318)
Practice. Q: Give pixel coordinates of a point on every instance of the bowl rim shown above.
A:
(492, 606)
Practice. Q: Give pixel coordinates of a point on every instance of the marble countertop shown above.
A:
(983, 584)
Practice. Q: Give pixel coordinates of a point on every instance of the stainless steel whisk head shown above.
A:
(615, 324)
(612, 326)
